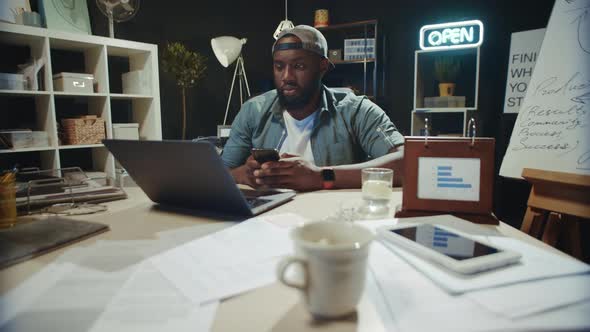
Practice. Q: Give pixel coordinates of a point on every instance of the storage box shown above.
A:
(73, 82)
(359, 49)
(446, 101)
(88, 129)
(136, 82)
(12, 81)
(125, 131)
(20, 139)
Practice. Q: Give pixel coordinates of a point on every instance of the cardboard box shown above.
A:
(73, 82)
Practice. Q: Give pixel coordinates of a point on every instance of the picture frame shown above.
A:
(449, 175)
(66, 15)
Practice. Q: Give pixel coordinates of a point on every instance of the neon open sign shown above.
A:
(451, 35)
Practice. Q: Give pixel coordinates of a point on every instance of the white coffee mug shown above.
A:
(333, 256)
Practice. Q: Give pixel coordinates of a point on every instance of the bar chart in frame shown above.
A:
(449, 178)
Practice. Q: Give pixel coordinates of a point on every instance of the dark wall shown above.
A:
(196, 22)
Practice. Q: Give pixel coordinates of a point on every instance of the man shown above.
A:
(325, 137)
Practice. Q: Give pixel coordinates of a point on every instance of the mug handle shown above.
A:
(282, 268)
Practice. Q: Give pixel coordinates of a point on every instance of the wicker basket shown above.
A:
(88, 129)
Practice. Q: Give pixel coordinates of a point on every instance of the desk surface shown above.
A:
(259, 310)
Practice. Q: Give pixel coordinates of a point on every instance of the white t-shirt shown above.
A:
(298, 132)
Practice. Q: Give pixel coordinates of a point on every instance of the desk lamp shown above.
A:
(229, 50)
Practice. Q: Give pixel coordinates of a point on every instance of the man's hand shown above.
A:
(245, 174)
(290, 172)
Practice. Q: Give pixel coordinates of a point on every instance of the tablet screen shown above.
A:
(445, 242)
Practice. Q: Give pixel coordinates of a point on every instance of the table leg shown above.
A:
(553, 229)
(574, 239)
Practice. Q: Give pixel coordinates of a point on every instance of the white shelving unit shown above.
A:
(98, 53)
(453, 118)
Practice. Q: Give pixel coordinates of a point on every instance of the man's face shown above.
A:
(297, 75)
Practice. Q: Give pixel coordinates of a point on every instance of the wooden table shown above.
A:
(271, 308)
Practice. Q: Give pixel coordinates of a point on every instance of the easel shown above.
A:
(557, 204)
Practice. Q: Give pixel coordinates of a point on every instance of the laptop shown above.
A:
(191, 175)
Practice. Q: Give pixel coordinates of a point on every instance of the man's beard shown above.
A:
(300, 101)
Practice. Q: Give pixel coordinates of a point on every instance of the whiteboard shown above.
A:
(552, 131)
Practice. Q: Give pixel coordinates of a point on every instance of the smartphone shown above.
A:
(264, 155)
(447, 247)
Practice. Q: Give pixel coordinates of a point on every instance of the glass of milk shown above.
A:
(377, 183)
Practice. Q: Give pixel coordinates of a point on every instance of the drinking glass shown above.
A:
(376, 192)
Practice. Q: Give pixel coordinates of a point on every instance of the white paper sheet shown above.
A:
(75, 292)
(374, 314)
(182, 235)
(104, 287)
(535, 264)
(149, 302)
(571, 318)
(229, 262)
(417, 304)
(535, 296)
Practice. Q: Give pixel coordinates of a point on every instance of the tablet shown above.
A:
(447, 247)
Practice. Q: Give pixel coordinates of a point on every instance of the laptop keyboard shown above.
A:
(255, 201)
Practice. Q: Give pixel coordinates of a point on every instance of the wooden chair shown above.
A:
(557, 204)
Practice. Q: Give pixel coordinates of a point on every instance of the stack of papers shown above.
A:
(109, 286)
(535, 264)
(150, 285)
(521, 296)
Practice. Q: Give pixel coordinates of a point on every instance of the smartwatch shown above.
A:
(328, 178)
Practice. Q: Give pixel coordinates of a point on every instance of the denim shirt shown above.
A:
(349, 129)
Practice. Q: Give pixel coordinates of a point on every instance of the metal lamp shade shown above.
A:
(284, 25)
(227, 49)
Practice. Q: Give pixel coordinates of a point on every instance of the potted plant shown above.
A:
(446, 69)
(187, 67)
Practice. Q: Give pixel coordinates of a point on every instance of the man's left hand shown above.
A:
(290, 172)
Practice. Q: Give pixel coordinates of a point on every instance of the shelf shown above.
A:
(124, 51)
(367, 76)
(76, 94)
(348, 25)
(80, 146)
(23, 93)
(353, 61)
(426, 82)
(445, 110)
(42, 148)
(42, 110)
(129, 96)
